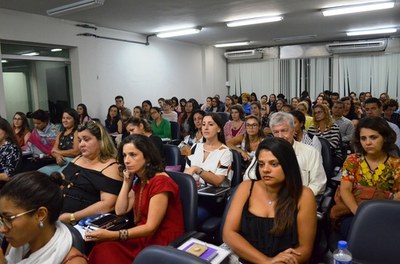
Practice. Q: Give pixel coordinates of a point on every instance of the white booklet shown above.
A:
(214, 254)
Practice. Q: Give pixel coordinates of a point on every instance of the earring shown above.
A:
(148, 164)
(41, 224)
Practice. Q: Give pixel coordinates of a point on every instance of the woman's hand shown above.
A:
(245, 155)
(101, 234)
(192, 170)
(288, 257)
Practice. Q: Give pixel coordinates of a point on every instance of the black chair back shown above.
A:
(375, 232)
(166, 255)
(77, 239)
(173, 157)
(237, 168)
(188, 194)
(175, 130)
(224, 116)
(327, 158)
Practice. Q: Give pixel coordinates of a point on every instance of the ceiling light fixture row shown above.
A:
(339, 10)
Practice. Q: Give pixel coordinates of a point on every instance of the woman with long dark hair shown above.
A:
(83, 114)
(10, 151)
(152, 196)
(30, 204)
(21, 128)
(272, 219)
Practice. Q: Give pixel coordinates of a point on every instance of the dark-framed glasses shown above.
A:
(7, 220)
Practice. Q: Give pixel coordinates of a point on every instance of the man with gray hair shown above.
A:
(309, 159)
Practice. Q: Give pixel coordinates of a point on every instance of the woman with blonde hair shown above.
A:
(92, 179)
(324, 126)
(303, 107)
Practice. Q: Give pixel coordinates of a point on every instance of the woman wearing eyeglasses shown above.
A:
(92, 179)
(160, 126)
(29, 208)
(21, 128)
(247, 143)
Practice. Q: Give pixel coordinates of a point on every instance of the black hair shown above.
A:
(72, 112)
(373, 100)
(147, 102)
(119, 97)
(116, 118)
(41, 115)
(380, 125)
(192, 127)
(300, 117)
(10, 136)
(217, 119)
(25, 124)
(33, 189)
(150, 152)
(292, 187)
(84, 114)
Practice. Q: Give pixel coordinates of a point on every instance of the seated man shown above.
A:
(309, 159)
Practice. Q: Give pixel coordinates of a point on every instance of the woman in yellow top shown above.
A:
(372, 165)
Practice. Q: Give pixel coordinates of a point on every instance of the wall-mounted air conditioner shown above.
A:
(357, 46)
(243, 55)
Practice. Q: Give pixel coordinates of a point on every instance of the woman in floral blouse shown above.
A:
(10, 152)
(372, 165)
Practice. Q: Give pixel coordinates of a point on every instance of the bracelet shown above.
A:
(123, 234)
(72, 219)
(200, 172)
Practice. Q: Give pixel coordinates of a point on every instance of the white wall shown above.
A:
(102, 69)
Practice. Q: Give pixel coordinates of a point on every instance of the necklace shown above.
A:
(136, 217)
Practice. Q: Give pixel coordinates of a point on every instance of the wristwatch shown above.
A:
(72, 219)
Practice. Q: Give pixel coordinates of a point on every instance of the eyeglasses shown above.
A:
(7, 220)
(254, 125)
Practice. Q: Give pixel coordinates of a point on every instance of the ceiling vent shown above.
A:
(357, 46)
(243, 55)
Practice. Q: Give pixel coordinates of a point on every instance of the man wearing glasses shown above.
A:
(309, 159)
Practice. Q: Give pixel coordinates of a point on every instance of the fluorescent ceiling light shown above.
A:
(356, 8)
(30, 54)
(371, 31)
(4, 61)
(253, 21)
(180, 32)
(233, 44)
(292, 38)
(77, 6)
(55, 50)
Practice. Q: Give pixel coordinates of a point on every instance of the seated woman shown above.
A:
(235, 126)
(66, 146)
(137, 112)
(160, 126)
(112, 119)
(30, 205)
(324, 126)
(168, 111)
(82, 111)
(300, 134)
(154, 198)
(123, 120)
(141, 126)
(195, 135)
(246, 144)
(21, 128)
(10, 152)
(273, 219)
(303, 107)
(210, 163)
(372, 165)
(93, 179)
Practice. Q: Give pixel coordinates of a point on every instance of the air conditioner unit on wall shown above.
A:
(243, 55)
(357, 46)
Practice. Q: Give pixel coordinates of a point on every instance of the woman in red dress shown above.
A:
(154, 198)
